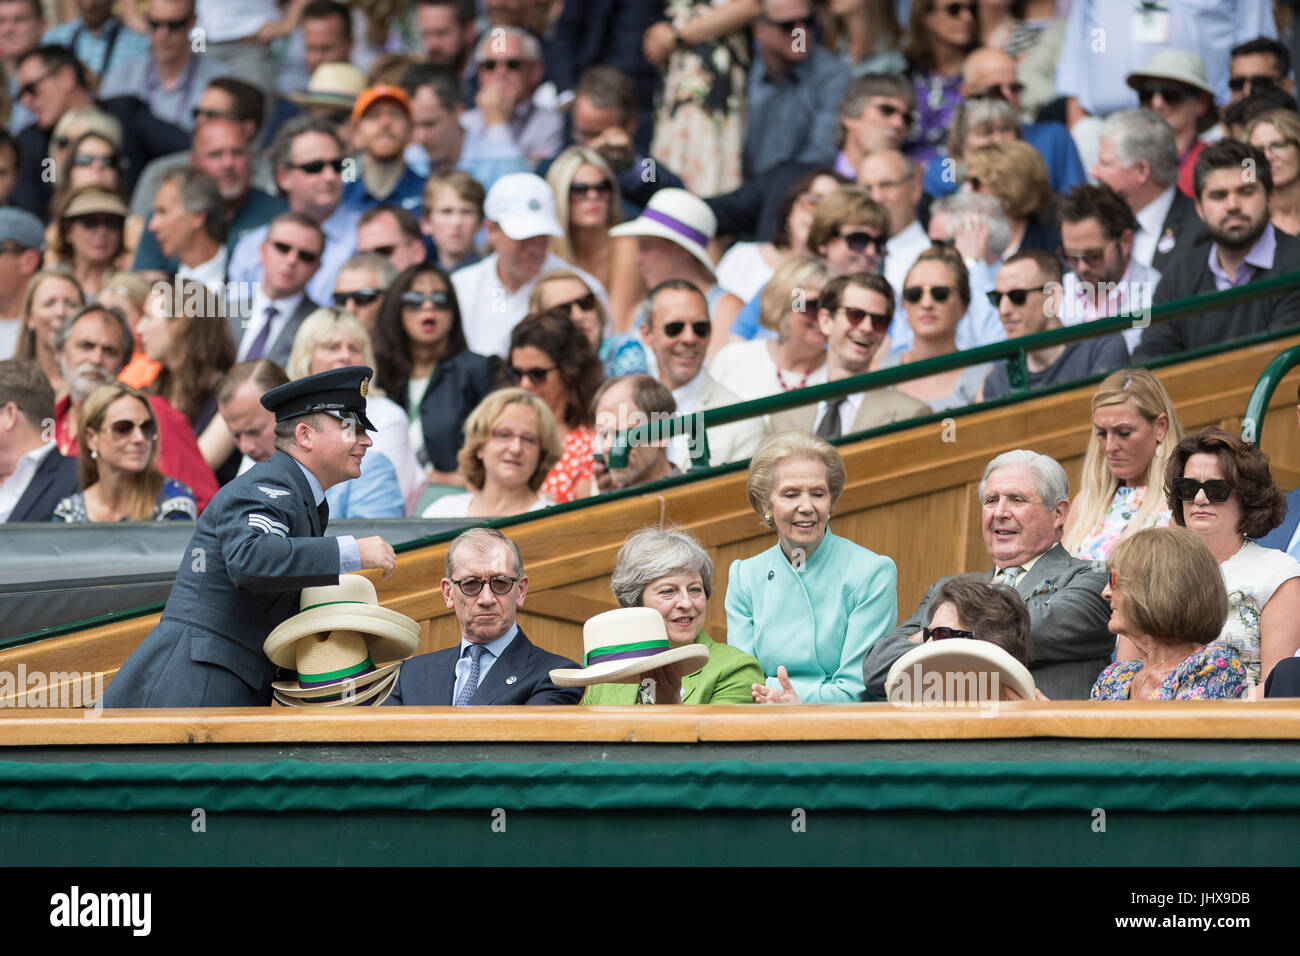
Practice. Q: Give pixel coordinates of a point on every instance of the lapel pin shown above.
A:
(770, 575)
(511, 679)
(1167, 242)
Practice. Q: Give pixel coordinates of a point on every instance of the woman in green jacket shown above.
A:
(669, 571)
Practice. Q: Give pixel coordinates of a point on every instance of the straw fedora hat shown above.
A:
(623, 645)
(371, 695)
(909, 676)
(350, 605)
(1179, 66)
(678, 216)
(335, 85)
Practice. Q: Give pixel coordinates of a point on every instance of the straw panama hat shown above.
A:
(678, 216)
(961, 655)
(350, 605)
(332, 84)
(623, 645)
(1180, 66)
(371, 695)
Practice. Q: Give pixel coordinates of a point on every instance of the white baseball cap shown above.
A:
(523, 205)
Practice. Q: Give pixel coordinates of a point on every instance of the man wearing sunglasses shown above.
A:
(171, 77)
(360, 287)
(261, 540)
(1024, 501)
(22, 22)
(795, 88)
(290, 256)
(1027, 294)
(392, 232)
(875, 114)
(1174, 87)
(854, 312)
(1258, 64)
(494, 663)
(509, 64)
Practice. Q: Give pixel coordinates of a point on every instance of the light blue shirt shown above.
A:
(349, 551)
(139, 77)
(492, 650)
(1259, 258)
(1100, 50)
(375, 494)
(340, 243)
(793, 118)
(486, 156)
(91, 47)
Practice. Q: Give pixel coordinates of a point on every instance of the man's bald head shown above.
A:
(987, 69)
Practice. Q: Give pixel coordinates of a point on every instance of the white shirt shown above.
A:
(284, 308)
(13, 488)
(742, 270)
(848, 413)
(1151, 219)
(340, 243)
(9, 329)
(901, 252)
(747, 368)
(211, 273)
(489, 311)
(222, 20)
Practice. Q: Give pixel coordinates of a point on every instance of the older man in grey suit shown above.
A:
(1024, 497)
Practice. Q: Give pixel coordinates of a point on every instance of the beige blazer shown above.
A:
(880, 406)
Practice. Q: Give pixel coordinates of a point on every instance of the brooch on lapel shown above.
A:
(1047, 587)
(511, 679)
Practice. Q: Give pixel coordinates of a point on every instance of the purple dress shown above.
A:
(937, 98)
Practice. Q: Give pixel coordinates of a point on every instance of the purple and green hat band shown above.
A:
(625, 652)
(308, 681)
(676, 225)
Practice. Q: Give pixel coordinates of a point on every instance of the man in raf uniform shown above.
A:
(257, 545)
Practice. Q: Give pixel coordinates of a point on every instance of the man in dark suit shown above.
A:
(1233, 183)
(255, 548)
(494, 662)
(34, 477)
(290, 254)
(1024, 498)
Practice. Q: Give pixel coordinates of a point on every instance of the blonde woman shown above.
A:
(1136, 430)
(52, 295)
(588, 202)
(1015, 174)
(511, 442)
(1277, 135)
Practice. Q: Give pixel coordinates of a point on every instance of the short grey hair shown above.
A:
(111, 314)
(959, 205)
(532, 50)
(373, 260)
(280, 152)
(200, 193)
(653, 553)
(1141, 134)
(1053, 485)
(979, 114)
(483, 538)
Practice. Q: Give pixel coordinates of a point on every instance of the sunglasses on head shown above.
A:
(171, 26)
(859, 241)
(602, 188)
(415, 300)
(879, 320)
(124, 428)
(359, 296)
(945, 633)
(535, 375)
(513, 66)
(1239, 83)
(702, 330)
(939, 293)
(1171, 94)
(305, 256)
(1216, 489)
(317, 166)
(1017, 296)
(499, 583)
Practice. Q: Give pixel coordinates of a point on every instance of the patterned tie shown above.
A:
(475, 651)
(259, 343)
(1010, 576)
(830, 427)
(323, 509)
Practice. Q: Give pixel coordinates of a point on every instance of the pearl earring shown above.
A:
(767, 517)
(94, 454)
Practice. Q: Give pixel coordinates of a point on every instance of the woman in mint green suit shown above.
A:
(668, 570)
(810, 606)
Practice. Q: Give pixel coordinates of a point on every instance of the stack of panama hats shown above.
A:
(924, 669)
(623, 645)
(333, 643)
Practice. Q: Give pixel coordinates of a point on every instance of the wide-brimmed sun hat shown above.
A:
(624, 645)
(927, 666)
(678, 216)
(1178, 66)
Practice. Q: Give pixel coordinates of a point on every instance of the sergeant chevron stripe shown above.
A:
(268, 525)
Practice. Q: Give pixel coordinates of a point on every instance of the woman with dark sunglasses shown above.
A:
(1174, 87)
(939, 35)
(90, 227)
(567, 293)
(1221, 490)
(117, 437)
(936, 296)
(425, 366)
(551, 358)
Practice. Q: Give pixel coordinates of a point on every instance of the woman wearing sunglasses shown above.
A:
(935, 297)
(1221, 490)
(90, 227)
(587, 203)
(551, 358)
(939, 35)
(566, 293)
(117, 439)
(510, 445)
(424, 365)
(1168, 606)
(1277, 135)
(1136, 429)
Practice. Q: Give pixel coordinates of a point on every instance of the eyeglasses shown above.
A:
(385, 251)
(1216, 489)
(811, 306)
(586, 303)
(1172, 94)
(1001, 91)
(879, 320)
(124, 428)
(601, 189)
(1278, 147)
(789, 26)
(13, 249)
(489, 66)
(305, 256)
(198, 114)
(944, 633)
(1017, 296)
(913, 293)
(535, 375)
(499, 583)
(412, 300)
(171, 26)
(316, 166)
(859, 241)
(361, 297)
(85, 159)
(29, 89)
(1239, 83)
(889, 111)
(1093, 259)
(99, 221)
(955, 10)
(506, 436)
(702, 330)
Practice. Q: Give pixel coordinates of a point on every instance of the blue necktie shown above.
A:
(259, 343)
(475, 651)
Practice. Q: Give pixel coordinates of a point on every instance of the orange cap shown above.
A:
(376, 93)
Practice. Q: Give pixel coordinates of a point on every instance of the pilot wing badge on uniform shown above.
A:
(272, 493)
(268, 525)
